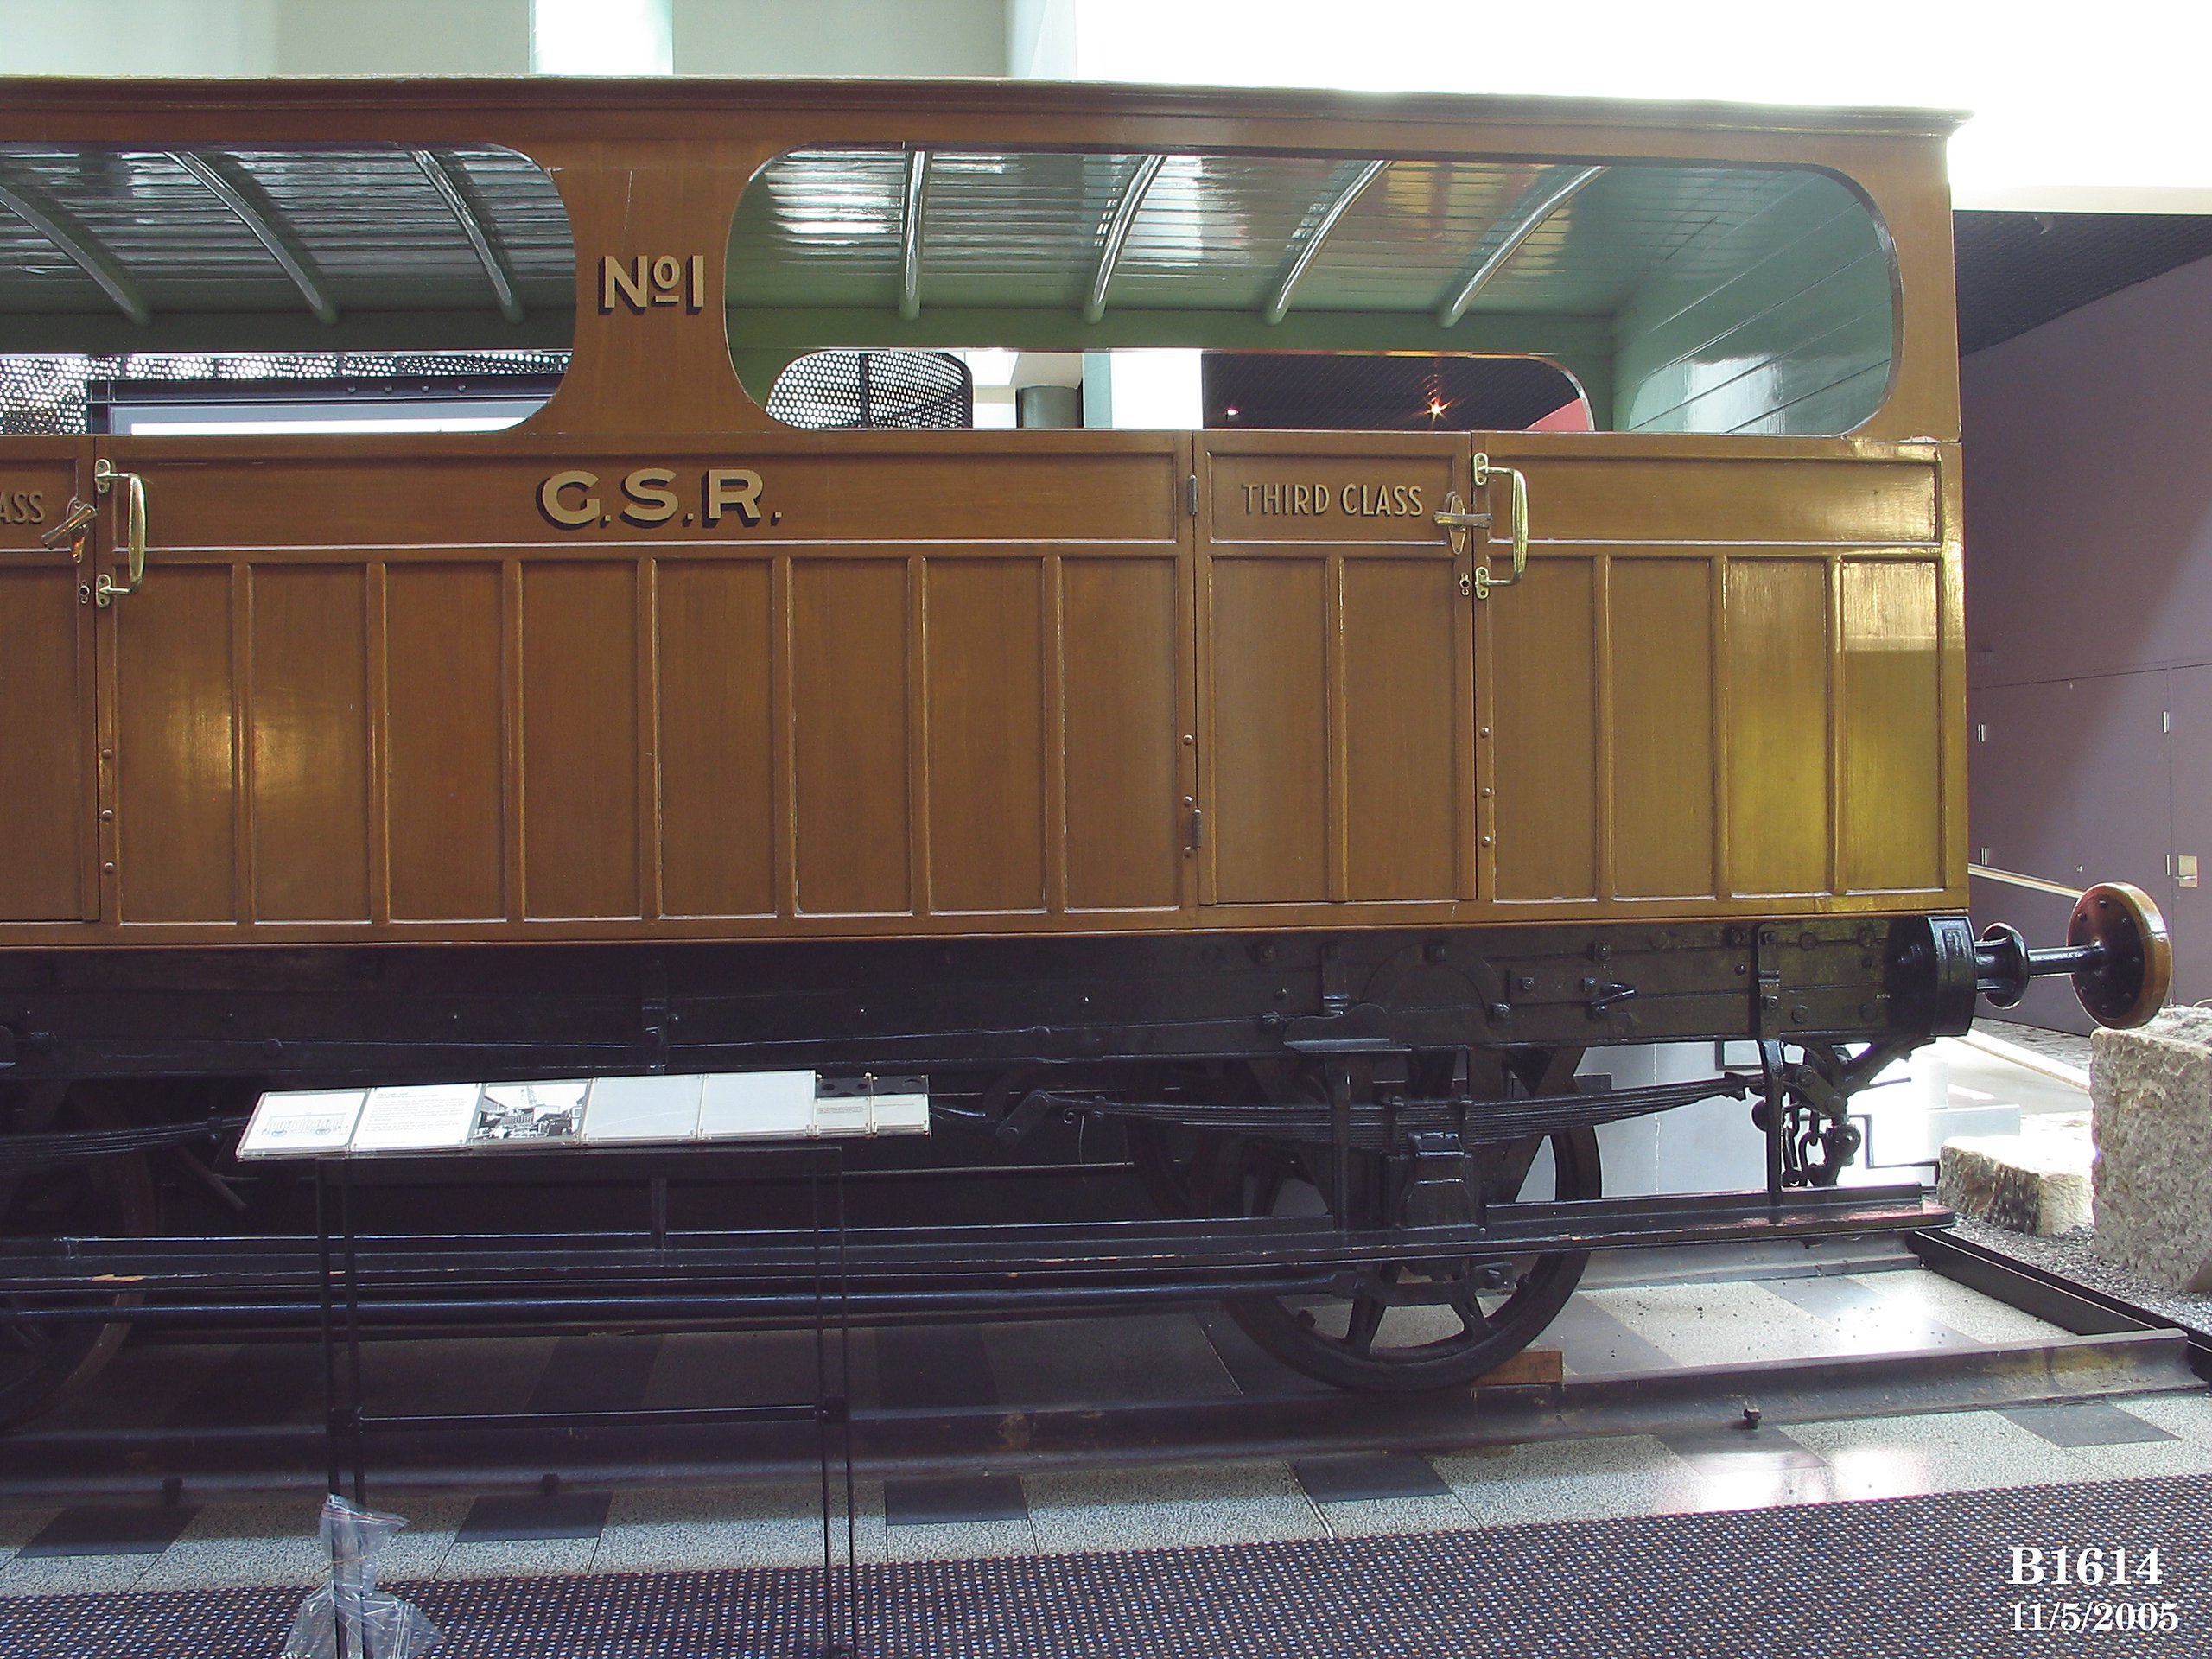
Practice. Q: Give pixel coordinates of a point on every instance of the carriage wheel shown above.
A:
(41, 1364)
(1402, 1326)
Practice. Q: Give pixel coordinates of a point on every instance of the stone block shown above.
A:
(2152, 1089)
(2036, 1181)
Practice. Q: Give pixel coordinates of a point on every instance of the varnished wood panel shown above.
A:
(895, 487)
(580, 739)
(1544, 717)
(176, 748)
(1125, 821)
(850, 723)
(1779, 792)
(1662, 690)
(986, 680)
(446, 741)
(1714, 498)
(1269, 741)
(1892, 715)
(310, 737)
(717, 803)
(46, 825)
(1401, 638)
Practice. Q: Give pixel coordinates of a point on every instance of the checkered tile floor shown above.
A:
(198, 1542)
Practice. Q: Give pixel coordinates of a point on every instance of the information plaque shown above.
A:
(722, 1106)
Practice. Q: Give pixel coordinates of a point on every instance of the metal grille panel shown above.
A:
(914, 390)
(47, 396)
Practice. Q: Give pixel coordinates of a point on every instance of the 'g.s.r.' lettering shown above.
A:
(650, 496)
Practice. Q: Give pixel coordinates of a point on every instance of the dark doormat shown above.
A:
(1919, 1575)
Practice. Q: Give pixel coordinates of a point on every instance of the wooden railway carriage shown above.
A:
(1297, 806)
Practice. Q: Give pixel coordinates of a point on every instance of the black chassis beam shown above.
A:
(311, 1016)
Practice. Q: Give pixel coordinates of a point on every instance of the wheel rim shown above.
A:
(42, 1364)
(1403, 1324)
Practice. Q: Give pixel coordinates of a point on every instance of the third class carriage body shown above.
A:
(1301, 806)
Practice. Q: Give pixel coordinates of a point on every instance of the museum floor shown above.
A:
(983, 1554)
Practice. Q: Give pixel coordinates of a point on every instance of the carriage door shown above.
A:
(49, 840)
(1335, 670)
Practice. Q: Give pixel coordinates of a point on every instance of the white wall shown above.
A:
(841, 37)
(137, 37)
(264, 37)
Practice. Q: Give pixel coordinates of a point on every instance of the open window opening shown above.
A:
(236, 291)
(1671, 298)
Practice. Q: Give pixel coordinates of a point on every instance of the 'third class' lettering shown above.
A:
(23, 507)
(1353, 501)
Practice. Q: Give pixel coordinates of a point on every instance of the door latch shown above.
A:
(71, 529)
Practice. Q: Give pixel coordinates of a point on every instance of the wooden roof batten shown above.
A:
(910, 234)
(227, 181)
(78, 245)
(1505, 238)
(453, 190)
(1118, 224)
(1278, 305)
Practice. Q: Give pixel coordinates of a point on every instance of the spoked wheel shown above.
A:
(42, 1363)
(1408, 1325)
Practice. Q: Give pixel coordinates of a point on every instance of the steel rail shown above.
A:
(78, 244)
(1126, 209)
(454, 189)
(1278, 305)
(228, 182)
(1520, 221)
(2071, 1306)
(1032, 1254)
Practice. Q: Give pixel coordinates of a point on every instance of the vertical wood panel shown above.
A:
(850, 724)
(46, 831)
(1892, 716)
(176, 753)
(309, 741)
(1124, 839)
(580, 739)
(986, 706)
(1270, 728)
(1544, 716)
(1662, 690)
(1401, 633)
(1778, 782)
(445, 665)
(717, 811)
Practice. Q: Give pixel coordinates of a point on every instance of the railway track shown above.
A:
(2103, 1350)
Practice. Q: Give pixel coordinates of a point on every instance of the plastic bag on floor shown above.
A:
(349, 1617)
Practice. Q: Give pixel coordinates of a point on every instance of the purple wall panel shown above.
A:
(2088, 488)
(2089, 552)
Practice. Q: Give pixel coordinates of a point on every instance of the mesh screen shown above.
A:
(919, 389)
(47, 395)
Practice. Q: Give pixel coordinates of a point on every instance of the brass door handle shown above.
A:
(107, 590)
(1480, 581)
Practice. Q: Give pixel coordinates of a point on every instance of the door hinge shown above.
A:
(1197, 826)
(1190, 494)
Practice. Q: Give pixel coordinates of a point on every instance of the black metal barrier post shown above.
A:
(347, 1424)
